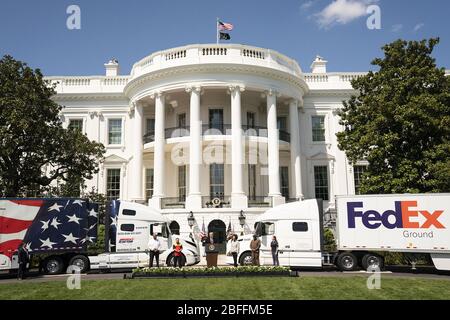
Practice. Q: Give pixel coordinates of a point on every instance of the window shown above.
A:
(216, 180)
(174, 227)
(150, 126)
(127, 227)
(76, 124)
(182, 183)
(115, 131)
(128, 212)
(281, 123)
(251, 120)
(264, 228)
(148, 183)
(112, 184)
(300, 227)
(318, 128)
(284, 182)
(252, 181)
(216, 119)
(358, 172)
(321, 182)
(181, 120)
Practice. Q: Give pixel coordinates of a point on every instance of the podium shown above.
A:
(212, 252)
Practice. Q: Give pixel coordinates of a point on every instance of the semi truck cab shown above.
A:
(129, 227)
(298, 229)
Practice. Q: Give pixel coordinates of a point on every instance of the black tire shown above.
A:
(246, 259)
(347, 261)
(371, 260)
(81, 262)
(171, 260)
(53, 265)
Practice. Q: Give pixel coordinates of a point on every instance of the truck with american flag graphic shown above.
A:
(59, 230)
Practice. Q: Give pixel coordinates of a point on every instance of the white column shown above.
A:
(194, 198)
(135, 174)
(238, 197)
(295, 149)
(160, 141)
(273, 149)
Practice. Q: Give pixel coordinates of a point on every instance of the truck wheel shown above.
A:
(53, 265)
(80, 261)
(371, 261)
(347, 261)
(246, 259)
(171, 261)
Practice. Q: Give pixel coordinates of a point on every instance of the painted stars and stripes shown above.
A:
(46, 224)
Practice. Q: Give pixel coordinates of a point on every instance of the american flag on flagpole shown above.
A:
(223, 26)
(203, 232)
(229, 230)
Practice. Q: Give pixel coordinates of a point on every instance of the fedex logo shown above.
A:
(403, 216)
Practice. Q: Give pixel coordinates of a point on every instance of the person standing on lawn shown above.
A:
(255, 245)
(177, 248)
(154, 246)
(234, 248)
(274, 248)
(24, 258)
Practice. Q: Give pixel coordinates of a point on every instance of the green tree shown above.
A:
(35, 149)
(400, 122)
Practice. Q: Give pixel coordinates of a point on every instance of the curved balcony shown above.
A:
(219, 130)
(216, 53)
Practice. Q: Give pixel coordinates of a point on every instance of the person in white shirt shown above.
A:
(154, 246)
(234, 248)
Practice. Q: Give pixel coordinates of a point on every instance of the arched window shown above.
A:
(174, 227)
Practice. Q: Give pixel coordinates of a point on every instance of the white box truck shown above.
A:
(367, 226)
(58, 230)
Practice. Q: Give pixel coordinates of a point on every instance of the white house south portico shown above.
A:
(220, 130)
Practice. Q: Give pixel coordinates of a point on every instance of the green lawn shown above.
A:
(233, 288)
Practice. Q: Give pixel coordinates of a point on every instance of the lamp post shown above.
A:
(191, 219)
(242, 221)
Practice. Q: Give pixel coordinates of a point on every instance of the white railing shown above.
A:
(316, 78)
(215, 53)
(76, 82)
(253, 53)
(349, 77)
(172, 55)
(94, 84)
(115, 81)
(332, 77)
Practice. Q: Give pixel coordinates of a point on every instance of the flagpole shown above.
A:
(217, 30)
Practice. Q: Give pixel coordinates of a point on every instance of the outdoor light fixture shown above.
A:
(191, 219)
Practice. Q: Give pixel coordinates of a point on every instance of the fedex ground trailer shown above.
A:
(367, 227)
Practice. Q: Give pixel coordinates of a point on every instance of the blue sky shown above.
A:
(36, 32)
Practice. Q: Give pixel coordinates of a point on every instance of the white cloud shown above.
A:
(419, 26)
(342, 12)
(306, 5)
(397, 28)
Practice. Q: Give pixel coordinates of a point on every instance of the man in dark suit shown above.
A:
(23, 257)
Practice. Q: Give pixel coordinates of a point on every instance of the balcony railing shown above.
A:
(216, 129)
(259, 201)
(219, 201)
(173, 203)
(220, 130)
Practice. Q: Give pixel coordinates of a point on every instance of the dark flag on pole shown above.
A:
(224, 36)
